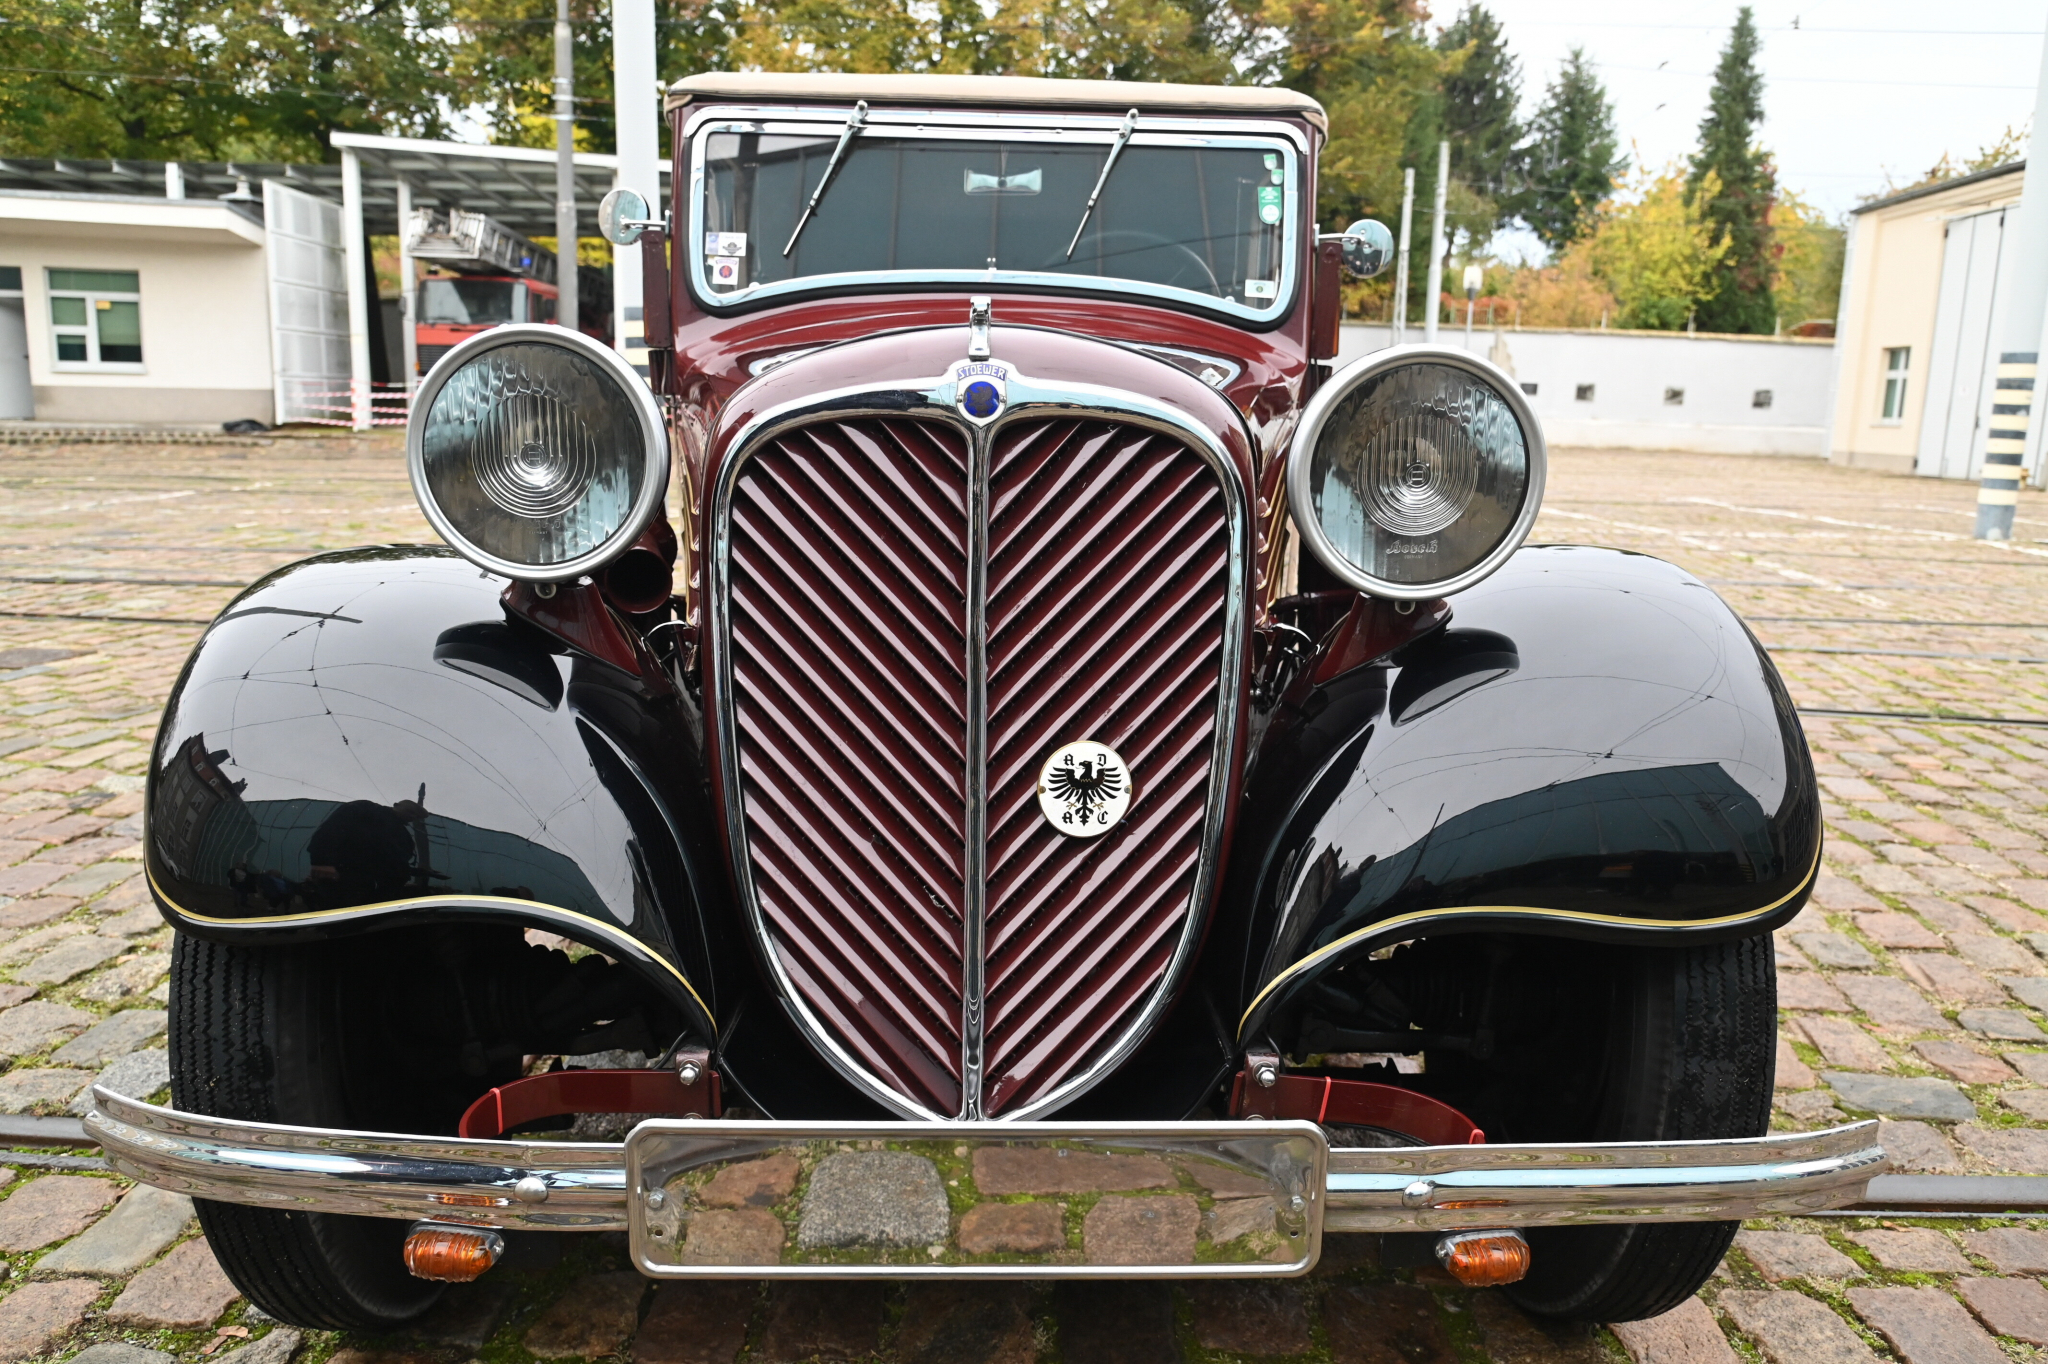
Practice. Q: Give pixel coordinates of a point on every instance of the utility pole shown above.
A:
(1436, 244)
(565, 166)
(2019, 347)
(638, 113)
(1401, 261)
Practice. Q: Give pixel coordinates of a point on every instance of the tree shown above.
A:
(1657, 254)
(1571, 160)
(209, 80)
(1808, 287)
(1474, 109)
(1565, 293)
(1372, 66)
(1738, 210)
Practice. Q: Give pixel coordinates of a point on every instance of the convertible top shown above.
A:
(996, 90)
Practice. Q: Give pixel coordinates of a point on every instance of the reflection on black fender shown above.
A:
(366, 737)
(1595, 746)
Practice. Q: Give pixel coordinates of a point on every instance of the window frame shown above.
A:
(1888, 413)
(90, 329)
(1056, 129)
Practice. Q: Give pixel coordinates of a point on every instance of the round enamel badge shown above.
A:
(1084, 789)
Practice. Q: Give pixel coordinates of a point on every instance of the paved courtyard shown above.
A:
(1914, 988)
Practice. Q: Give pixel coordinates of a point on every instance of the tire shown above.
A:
(287, 1034)
(1691, 1047)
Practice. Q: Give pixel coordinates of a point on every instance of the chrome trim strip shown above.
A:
(564, 1186)
(1156, 132)
(934, 400)
(581, 1185)
(653, 430)
(974, 883)
(1443, 1188)
(1340, 387)
(940, 121)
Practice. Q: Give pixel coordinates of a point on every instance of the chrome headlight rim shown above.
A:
(646, 411)
(1339, 387)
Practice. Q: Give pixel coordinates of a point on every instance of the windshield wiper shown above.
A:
(846, 136)
(1123, 135)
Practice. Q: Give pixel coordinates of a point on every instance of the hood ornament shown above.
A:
(981, 386)
(1084, 789)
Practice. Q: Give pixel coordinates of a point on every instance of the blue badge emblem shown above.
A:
(981, 388)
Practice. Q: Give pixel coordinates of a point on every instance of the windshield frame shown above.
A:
(1266, 135)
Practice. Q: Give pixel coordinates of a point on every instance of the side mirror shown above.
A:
(1367, 247)
(624, 215)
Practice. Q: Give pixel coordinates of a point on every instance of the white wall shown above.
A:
(205, 306)
(1630, 371)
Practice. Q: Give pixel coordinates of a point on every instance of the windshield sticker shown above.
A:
(1024, 182)
(1261, 288)
(725, 273)
(725, 244)
(1269, 203)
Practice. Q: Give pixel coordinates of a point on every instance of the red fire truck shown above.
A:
(486, 275)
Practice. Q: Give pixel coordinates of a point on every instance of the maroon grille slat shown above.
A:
(1106, 601)
(1076, 552)
(848, 623)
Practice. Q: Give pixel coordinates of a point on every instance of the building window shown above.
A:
(1760, 398)
(10, 279)
(1529, 389)
(1674, 397)
(96, 319)
(1585, 393)
(1896, 361)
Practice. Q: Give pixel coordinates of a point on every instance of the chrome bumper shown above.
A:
(561, 1186)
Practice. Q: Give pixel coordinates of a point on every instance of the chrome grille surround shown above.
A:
(931, 402)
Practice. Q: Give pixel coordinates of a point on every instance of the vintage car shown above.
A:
(1000, 761)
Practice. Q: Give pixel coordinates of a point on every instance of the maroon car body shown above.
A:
(986, 697)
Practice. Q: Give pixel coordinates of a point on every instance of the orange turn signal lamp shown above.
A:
(450, 1254)
(1484, 1259)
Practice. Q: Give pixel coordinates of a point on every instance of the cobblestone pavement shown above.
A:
(1914, 987)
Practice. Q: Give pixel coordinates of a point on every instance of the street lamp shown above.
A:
(1475, 279)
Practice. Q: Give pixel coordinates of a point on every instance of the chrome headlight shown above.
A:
(536, 451)
(1416, 472)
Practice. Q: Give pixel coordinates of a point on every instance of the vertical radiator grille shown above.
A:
(849, 645)
(1108, 578)
(1105, 612)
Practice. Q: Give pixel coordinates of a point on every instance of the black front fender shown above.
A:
(1593, 746)
(366, 739)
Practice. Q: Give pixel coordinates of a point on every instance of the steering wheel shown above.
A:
(1201, 279)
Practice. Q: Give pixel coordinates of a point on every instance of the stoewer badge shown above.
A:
(980, 389)
(1084, 789)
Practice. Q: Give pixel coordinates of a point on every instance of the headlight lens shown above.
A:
(1416, 472)
(537, 452)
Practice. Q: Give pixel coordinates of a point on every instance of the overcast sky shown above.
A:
(1859, 89)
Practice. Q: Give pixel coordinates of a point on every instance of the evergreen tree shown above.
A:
(1738, 212)
(1571, 161)
(1476, 111)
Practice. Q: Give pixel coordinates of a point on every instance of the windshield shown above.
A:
(466, 301)
(1197, 215)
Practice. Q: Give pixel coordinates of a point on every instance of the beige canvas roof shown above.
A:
(995, 90)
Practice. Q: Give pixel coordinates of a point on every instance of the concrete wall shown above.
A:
(1889, 291)
(1630, 372)
(205, 305)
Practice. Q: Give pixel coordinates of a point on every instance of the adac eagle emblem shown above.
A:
(1084, 789)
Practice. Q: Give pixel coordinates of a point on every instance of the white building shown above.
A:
(181, 295)
(121, 309)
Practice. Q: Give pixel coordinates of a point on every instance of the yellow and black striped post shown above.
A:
(2005, 444)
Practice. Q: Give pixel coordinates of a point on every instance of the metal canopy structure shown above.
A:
(377, 184)
(515, 185)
